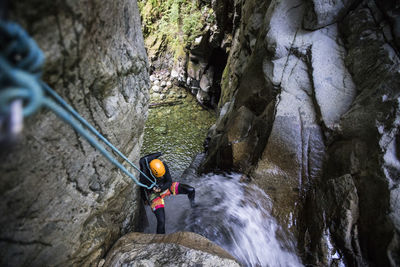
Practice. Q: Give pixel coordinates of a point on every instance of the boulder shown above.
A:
(195, 68)
(202, 97)
(174, 74)
(156, 88)
(206, 81)
(177, 249)
(155, 95)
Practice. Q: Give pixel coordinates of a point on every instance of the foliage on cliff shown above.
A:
(173, 23)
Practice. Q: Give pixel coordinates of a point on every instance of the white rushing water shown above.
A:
(234, 215)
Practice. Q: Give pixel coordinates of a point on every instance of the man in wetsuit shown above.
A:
(152, 166)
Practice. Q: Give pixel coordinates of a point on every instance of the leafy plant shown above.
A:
(178, 21)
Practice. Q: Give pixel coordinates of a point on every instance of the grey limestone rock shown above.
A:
(177, 249)
(373, 121)
(62, 203)
(321, 13)
(206, 55)
(312, 106)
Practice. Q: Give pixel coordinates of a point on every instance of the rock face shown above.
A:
(310, 110)
(62, 203)
(321, 13)
(177, 249)
(201, 70)
(197, 53)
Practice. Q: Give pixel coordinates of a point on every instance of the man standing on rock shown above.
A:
(152, 166)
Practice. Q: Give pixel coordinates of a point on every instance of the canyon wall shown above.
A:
(309, 109)
(62, 203)
(190, 40)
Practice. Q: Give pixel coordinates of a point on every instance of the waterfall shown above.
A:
(233, 214)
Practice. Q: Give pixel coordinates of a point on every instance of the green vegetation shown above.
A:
(176, 22)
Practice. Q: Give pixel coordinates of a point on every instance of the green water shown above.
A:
(178, 132)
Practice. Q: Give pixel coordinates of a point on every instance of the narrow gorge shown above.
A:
(283, 114)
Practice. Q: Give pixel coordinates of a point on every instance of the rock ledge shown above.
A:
(177, 249)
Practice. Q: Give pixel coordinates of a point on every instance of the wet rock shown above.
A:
(240, 140)
(317, 109)
(391, 11)
(207, 80)
(345, 215)
(320, 13)
(206, 92)
(169, 84)
(163, 84)
(156, 88)
(178, 249)
(371, 121)
(197, 41)
(334, 87)
(155, 95)
(62, 202)
(202, 96)
(196, 68)
(174, 74)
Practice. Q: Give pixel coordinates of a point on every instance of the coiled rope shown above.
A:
(21, 62)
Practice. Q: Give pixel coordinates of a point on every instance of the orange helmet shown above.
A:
(157, 168)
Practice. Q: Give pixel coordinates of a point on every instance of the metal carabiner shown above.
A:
(16, 118)
(12, 124)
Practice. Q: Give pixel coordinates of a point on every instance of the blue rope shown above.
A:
(76, 115)
(26, 84)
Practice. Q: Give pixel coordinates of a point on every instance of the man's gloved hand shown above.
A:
(156, 189)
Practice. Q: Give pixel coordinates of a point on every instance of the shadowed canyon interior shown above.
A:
(293, 105)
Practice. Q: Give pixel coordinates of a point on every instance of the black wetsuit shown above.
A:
(162, 183)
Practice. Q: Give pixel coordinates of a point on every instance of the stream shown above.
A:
(230, 212)
(177, 131)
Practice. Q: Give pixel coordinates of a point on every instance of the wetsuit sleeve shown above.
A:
(143, 193)
(145, 170)
(167, 179)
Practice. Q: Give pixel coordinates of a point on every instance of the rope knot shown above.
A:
(21, 62)
(19, 49)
